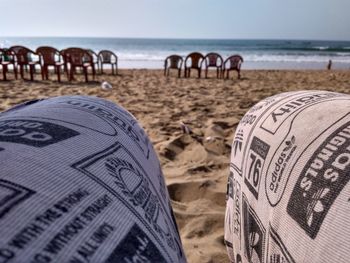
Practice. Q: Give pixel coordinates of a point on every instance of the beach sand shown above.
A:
(195, 166)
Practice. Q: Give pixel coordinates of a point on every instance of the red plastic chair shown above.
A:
(108, 57)
(213, 60)
(94, 58)
(193, 61)
(7, 58)
(50, 57)
(78, 58)
(173, 62)
(27, 58)
(233, 63)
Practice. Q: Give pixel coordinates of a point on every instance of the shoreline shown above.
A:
(247, 65)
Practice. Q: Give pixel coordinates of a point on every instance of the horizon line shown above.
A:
(181, 38)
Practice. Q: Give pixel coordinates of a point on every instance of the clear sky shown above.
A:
(230, 19)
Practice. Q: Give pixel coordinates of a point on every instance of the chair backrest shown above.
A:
(23, 54)
(196, 59)
(7, 55)
(77, 56)
(213, 60)
(235, 61)
(106, 56)
(49, 54)
(15, 49)
(175, 61)
(93, 54)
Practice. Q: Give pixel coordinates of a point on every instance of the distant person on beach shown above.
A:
(288, 188)
(329, 66)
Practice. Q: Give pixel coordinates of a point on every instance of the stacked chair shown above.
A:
(69, 61)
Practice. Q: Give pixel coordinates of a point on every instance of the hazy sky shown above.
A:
(267, 19)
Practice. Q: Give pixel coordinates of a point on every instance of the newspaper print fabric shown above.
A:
(80, 182)
(288, 197)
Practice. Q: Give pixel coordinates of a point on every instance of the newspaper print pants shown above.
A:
(80, 182)
(288, 197)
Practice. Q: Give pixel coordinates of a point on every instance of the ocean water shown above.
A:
(257, 54)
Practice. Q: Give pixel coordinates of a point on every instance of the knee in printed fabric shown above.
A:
(80, 182)
(288, 191)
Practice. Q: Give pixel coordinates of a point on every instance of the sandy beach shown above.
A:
(196, 166)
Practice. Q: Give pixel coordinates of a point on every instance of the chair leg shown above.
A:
(179, 73)
(102, 68)
(239, 74)
(206, 73)
(71, 74)
(199, 73)
(31, 72)
(15, 70)
(21, 71)
(58, 69)
(85, 73)
(43, 73)
(4, 71)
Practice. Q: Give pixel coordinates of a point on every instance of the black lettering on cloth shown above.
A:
(48, 217)
(41, 222)
(255, 164)
(34, 133)
(262, 104)
(6, 255)
(122, 119)
(238, 142)
(237, 218)
(96, 207)
(281, 113)
(26, 235)
(67, 203)
(39, 258)
(62, 206)
(65, 236)
(136, 246)
(248, 119)
(254, 234)
(135, 186)
(88, 248)
(321, 181)
(128, 182)
(276, 176)
(11, 195)
(75, 226)
(277, 251)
